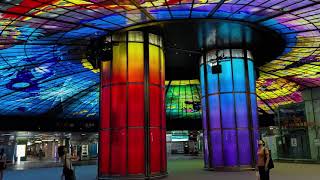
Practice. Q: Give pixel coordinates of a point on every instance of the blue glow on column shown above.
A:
(231, 130)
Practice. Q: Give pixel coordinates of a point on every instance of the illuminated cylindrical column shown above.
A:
(229, 109)
(133, 134)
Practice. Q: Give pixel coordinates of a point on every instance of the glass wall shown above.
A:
(298, 135)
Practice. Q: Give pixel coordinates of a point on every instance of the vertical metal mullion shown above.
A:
(161, 104)
(221, 125)
(127, 106)
(251, 128)
(179, 99)
(110, 109)
(206, 97)
(146, 103)
(100, 122)
(235, 109)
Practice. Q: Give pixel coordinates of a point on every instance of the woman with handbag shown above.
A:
(263, 161)
(3, 163)
(68, 171)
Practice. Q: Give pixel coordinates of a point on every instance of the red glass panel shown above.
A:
(155, 106)
(163, 108)
(135, 105)
(155, 150)
(105, 107)
(136, 162)
(163, 151)
(105, 72)
(104, 152)
(119, 152)
(119, 63)
(119, 106)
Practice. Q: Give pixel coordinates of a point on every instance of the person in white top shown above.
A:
(68, 171)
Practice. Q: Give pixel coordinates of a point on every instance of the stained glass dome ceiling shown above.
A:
(42, 69)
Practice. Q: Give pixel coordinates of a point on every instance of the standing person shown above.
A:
(263, 161)
(3, 162)
(68, 171)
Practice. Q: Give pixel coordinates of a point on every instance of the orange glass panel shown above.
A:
(154, 64)
(105, 72)
(119, 63)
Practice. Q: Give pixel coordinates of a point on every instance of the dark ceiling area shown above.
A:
(184, 42)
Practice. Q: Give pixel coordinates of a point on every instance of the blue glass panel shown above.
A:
(202, 10)
(216, 142)
(252, 80)
(227, 110)
(181, 11)
(225, 77)
(214, 111)
(230, 153)
(239, 79)
(254, 110)
(204, 115)
(212, 81)
(241, 110)
(202, 80)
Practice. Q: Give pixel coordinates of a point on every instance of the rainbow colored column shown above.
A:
(229, 109)
(133, 134)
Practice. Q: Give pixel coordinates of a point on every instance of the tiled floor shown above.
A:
(178, 169)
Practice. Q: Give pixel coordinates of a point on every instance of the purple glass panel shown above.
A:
(206, 149)
(244, 147)
(241, 110)
(216, 143)
(230, 153)
(227, 110)
(204, 115)
(214, 111)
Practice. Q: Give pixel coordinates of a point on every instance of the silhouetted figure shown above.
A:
(3, 163)
(68, 171)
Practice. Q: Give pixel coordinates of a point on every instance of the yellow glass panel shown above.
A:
(135, 62)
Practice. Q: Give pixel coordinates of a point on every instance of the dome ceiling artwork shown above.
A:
(44, 70)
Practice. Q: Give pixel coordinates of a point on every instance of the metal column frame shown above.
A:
(207, 110)
(250, 123)
(127, 100)
(146, 104)
(147, 171)
(235, 108)
(249, 117)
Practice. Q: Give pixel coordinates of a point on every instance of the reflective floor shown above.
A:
(179, 169)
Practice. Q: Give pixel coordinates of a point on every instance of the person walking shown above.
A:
(263, 161)
(68, 171)
(3, 162)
